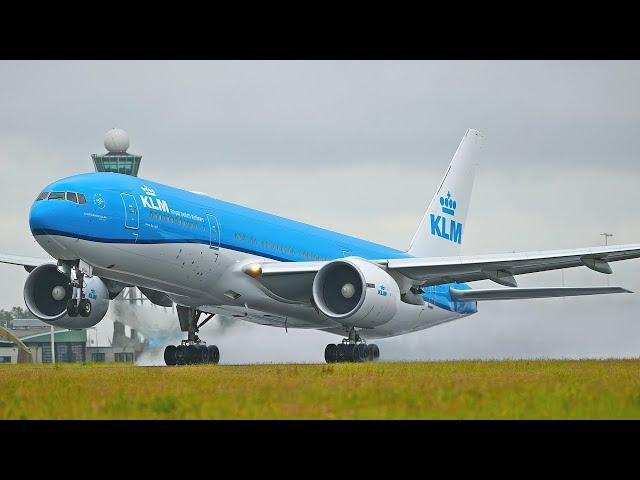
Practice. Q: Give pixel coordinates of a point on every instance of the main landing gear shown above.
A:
(77, 305)
(192, 350)
(352, 349)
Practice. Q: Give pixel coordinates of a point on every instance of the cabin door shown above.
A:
(131, 216)
(214, 232)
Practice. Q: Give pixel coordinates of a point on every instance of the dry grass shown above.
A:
(537, 389)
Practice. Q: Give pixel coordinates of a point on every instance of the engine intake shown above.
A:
(47, 290)
(355, 293)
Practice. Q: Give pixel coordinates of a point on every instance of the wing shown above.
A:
(502, 268)
(29, 263)
(292, 280)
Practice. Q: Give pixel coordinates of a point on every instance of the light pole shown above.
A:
(53, 346)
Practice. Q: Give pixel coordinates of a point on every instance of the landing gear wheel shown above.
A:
(191, 354)
(72, 308)
(192, 350)
(84, 307)
(203, 354)
(374, 352)
(350, 352)
(214, 354)
(180, 355)
(360, 353)
(170, 355)
(331, 353)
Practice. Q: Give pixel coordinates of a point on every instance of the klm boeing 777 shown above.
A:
(107, 231)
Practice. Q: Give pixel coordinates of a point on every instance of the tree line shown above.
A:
(16, 312)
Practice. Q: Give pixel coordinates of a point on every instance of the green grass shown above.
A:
(535, 389)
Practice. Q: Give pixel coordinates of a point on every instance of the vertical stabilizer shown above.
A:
(441, 231)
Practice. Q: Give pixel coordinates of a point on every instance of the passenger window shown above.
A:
(72, 197)
(42, 196)
(81, 199)
(56, 196)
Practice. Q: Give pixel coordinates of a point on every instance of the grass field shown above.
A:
(537, 389)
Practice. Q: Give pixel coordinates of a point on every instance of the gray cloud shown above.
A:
(359, 147)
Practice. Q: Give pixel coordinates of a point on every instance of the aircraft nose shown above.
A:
(40, 218)
(44, 216)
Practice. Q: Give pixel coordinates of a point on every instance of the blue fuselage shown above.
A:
(130, 210)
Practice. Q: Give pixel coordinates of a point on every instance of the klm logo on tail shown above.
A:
(443, 226)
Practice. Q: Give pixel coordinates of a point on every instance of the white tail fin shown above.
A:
(441, 231)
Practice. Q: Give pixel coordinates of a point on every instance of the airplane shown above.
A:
(108, 231)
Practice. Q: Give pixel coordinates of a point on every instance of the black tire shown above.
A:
(370, 353)
(341, 353)
(180, 352)
(170, 355)
(360, 353)
(203, 354)
(351, 353)
(214, 354)
(191, 355)
(72, 308)
(84, 307)
(375, 352)
(331, 353)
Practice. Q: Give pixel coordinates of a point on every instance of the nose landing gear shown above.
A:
(192, 350)
(352, 349)
(77, 305)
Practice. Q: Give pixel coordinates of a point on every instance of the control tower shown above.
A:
(117, 160)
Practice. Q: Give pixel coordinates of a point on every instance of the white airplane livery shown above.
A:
(108, 231)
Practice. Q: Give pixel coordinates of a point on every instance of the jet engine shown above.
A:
(47, 290)
(356, 293)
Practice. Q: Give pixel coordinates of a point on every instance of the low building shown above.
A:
(30, 341)
(33, 344)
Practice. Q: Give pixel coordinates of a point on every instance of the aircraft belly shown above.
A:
(183, 269)
(195, 275)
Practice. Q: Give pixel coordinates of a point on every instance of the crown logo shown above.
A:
(448, 204)
(149, 191)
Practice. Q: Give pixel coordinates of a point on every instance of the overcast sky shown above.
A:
(359, 147)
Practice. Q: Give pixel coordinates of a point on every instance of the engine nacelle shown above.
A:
(47, 290)
(356, 293)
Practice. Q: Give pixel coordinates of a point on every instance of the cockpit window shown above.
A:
(69, 196)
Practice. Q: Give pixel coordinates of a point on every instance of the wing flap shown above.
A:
(522, 293)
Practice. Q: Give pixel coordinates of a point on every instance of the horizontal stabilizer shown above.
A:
(520, 293)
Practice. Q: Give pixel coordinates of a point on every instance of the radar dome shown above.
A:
(116, 141)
